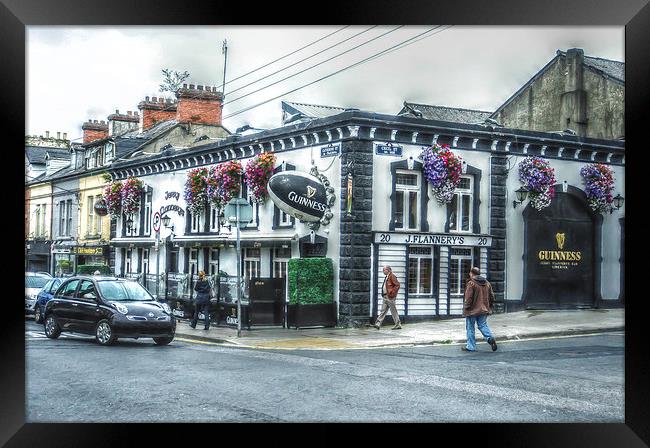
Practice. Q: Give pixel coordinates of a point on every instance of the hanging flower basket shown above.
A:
(538, 177)
(442, 169)
(113, 198)
(224, 182)
(599, 186)
(258, 172)
(131, 194)
(196, 190)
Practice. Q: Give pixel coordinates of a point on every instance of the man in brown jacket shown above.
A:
(389, 291)
(479, 300)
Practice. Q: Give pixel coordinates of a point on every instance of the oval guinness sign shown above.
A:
(100, 208)
(300, 195)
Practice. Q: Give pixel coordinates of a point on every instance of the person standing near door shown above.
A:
(389, 292)
(479, 300)
(202, 301)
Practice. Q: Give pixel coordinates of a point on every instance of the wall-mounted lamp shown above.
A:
(617, 203)
(165, 221)
(521, 193)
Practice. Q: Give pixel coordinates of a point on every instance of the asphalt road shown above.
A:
(571, 379)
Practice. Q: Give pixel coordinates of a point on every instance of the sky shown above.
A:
(80, 73)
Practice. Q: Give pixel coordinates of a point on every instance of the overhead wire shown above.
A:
(315, 65)
(399, 46)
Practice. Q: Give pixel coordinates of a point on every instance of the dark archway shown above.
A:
(562, 253)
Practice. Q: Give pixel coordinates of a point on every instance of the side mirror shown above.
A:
(90, 295)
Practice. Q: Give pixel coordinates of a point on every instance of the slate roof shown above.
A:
(36, 154)
(309, 110)
(445, 113)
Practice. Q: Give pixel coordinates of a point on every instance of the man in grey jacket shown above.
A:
(479, 300)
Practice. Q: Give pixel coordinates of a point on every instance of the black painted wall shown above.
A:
(497, 253)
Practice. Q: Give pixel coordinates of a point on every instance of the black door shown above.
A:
(562, 249)
(64, 306)
(86, 309)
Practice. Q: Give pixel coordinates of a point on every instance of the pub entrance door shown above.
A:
(561, 253)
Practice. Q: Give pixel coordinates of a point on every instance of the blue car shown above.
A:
(44, 296)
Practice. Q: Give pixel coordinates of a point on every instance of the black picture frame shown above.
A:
(633, 14)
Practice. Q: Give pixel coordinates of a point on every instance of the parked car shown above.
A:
(108, 308)
(44, 296)
(34, 282)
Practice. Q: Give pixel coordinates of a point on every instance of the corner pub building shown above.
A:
(395, 220)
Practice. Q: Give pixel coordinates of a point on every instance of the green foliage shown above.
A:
(89, 269)
(172, 80)
(311, 281)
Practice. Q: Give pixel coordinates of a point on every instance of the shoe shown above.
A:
(493, 343)
(206, 328)
(397, 327)
(465, 349)
(376, 326)
(193, 326)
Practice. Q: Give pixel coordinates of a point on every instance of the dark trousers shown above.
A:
(205, 307)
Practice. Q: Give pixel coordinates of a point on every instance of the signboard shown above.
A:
(172, 208)
(100, 207)
(388, 150)
(559, 254)
(156, 222)
(88, 250)
(432, 239)
(300, 195)
(330, 151)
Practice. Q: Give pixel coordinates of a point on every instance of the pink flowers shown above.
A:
(258, 172)
(442, 168)
(131, 195)
(113, 198)
(196, 195)
(599, 186)
(538, 177)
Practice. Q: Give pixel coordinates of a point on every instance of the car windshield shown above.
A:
(36, 281)
(121, 291)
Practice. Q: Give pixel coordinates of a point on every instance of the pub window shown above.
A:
(195, 222)
(459, 266)
(407, 188)
(68, 214)
(214, 261)
(147, 214)
(420, 270)
(193, 264)
(135, 225)
(213, 213)
(281, 257)
(462, 206)
(128, 261)
(252, 263)
(173, 260)
(91, 216)
(280, 218)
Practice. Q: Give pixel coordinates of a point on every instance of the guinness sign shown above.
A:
(100, 207)
(300, 195)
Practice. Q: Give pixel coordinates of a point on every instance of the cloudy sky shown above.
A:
(80, 73)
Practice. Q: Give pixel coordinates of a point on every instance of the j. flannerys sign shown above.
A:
(298, 194)
(432, 239)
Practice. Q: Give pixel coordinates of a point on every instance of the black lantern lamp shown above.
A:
(521, 193)
(617, 202)
(165, 221)
(129, 223)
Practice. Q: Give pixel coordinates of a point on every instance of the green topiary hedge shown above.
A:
(89, 269)
(311, 280)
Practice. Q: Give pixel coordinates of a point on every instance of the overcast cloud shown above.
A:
(80, 73)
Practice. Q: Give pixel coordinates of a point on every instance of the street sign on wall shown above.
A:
(330, 151)
(388, 150)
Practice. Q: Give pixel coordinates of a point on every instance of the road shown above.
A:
(570, 379)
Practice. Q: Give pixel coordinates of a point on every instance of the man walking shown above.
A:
(202, 301)
(389, 291)
(479, 300)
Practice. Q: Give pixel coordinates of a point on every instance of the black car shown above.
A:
(108, 308)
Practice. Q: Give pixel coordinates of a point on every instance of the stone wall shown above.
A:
(497, 255)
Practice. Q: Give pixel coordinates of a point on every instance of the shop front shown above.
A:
(432, 269)
(38, 255)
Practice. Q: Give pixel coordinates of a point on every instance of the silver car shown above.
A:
(34, 282)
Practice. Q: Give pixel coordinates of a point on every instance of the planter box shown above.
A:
(312, 315)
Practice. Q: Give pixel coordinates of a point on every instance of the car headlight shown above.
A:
(121, 308)
(166, 308)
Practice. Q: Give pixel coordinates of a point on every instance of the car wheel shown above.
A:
(163, 341)
(52, 329)
(104, 333)
(38, 317)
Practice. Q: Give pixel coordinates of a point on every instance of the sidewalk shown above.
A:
(519, 325)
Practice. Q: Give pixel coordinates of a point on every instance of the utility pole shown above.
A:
(224, 51)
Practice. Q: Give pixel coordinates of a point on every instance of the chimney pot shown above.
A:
(200, 87)
(65, 136)
(117, 111)
(161, 100)
(155, 99)
(146, 98)
(191, 86)
(185, 86)
(128, 112)
(58, 135)
(47, 134)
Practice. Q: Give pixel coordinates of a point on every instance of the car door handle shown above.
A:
(75, 304)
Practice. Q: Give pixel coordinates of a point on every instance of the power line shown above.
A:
(377, 55)
(315, 65)
(287, 55)
(303, 60)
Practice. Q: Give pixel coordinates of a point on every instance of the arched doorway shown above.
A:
(562, 245)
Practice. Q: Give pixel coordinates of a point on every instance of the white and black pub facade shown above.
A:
(384, 213)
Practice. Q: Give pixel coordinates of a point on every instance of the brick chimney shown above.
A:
(154, 110)
(199, 104)
(119, 123)
(94, 130)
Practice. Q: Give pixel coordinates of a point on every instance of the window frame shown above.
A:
(419, 257)
(406, 200)
(459, 194)
(416, 168)
(90, 224)
(460, 290)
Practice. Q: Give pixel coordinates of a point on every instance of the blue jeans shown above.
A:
(481, 322)
(205, 307)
